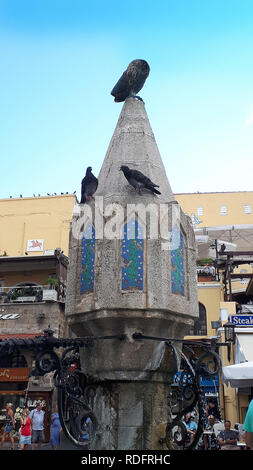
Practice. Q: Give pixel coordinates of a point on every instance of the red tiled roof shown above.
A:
(20, 335)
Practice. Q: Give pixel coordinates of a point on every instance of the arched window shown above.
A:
(200, 211)
(13, 360)
(223, 210)
(247, 209)
(30, 290)
(200, 326)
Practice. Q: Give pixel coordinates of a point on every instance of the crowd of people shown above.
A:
(32, 428)
(218, 434)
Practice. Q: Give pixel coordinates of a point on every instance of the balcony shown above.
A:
(31, 293)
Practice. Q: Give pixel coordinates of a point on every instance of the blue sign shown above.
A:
(242, 320)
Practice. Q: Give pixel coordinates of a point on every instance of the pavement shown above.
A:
(65, 444)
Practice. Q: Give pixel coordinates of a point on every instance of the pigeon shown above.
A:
(89, 185)
(138, 180)
(131, 81)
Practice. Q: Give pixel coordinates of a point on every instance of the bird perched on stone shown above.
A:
(131, 81)
(138, 180)
(89, 185)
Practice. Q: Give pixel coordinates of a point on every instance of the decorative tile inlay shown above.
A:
(177, 262)
(87, 260)
(132, 256)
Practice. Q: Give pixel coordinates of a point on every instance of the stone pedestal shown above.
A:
(133, 415)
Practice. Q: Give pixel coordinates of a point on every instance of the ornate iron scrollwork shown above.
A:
(190, 395)
(79, 422)
(77, 419)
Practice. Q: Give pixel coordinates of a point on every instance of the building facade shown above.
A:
(223, 225)
(34, 236)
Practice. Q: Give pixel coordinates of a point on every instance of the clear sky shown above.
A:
(59, 60)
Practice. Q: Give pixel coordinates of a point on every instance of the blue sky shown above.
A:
(59, 60)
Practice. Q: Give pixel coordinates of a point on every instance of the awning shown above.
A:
(240, 235)
(238, 375)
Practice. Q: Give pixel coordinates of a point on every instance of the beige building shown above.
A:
(224, 221)
(34, 236)
(35, 225)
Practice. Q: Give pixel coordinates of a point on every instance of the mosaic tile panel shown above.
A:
(132, 256)
(87, 260)
(177, 262)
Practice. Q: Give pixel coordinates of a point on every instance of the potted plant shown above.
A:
(52, 282)
(51, 294)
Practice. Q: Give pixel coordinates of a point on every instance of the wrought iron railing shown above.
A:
(31, 293)
(79, 421)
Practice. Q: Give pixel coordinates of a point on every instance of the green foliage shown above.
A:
(52, 281)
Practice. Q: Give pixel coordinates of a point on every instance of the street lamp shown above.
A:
(229, 330)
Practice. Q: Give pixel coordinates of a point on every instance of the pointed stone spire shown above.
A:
(133, 144)
(119, 286)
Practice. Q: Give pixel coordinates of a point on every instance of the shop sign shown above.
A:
(9, 316)
(242, 320)
(14, 375)
(35, 245)
(34, 403)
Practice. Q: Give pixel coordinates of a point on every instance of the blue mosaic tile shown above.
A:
(177, 262)
(87, 260)
(132, 256)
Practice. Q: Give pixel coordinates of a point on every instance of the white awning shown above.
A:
(240, 235)
(238, 375)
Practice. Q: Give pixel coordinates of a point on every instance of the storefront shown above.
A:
(14, 389)
(13, 383)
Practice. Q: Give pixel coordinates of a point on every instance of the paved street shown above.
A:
(64, 445)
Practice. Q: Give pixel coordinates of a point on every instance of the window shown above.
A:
(1, 285)
(247, 209)
(13, 360)
(223, 210)
(200, 328)
(200, 211)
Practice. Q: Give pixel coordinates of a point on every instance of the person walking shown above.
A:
(37, 420)
(26, 432)
(248, 427)
(9, 426)
(55, 429)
